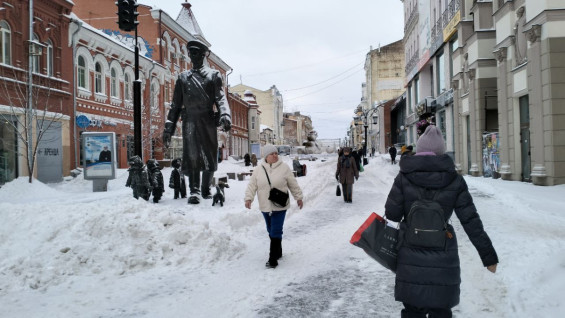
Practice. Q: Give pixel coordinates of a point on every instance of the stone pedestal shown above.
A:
(505, 172)
(539, 175)
(99, 185)
(474, 171)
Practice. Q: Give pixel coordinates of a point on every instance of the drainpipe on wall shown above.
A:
(73, 44)
(229, 132)
(152, 103)
(160, 39)
(29, 114)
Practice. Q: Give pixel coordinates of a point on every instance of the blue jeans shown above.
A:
(275, 222)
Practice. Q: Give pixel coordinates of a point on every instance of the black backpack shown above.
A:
(426, 224)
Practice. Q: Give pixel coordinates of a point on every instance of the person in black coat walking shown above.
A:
(428, 280)
(392, 153)
(247, 160)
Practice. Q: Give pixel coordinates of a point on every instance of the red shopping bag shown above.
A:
(378, 240)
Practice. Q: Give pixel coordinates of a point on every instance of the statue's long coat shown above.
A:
(196, 93)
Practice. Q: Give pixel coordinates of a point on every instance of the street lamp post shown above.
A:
(363, 116)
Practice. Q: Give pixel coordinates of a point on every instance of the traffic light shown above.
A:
(127, 14)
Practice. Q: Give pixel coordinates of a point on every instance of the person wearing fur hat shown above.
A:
(346, 173)
(273, 174)
(427, 279)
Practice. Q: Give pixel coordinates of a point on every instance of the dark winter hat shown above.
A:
(431, 141)
(347, 149)
(197, 44)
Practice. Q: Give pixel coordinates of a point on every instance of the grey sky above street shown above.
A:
(312, 50)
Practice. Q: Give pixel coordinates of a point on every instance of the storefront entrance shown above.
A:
(8, 151)
(50, 154)
(525, 138)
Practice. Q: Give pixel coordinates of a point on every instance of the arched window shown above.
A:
(81, 70)
(98, 78)
(155, 100)
(127, 87)
(35, 62)
(49, 57)
(114, 83)
(5, 43)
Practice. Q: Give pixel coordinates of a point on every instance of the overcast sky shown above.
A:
(312, 50)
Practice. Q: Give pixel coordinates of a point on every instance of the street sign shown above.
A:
(82, 121)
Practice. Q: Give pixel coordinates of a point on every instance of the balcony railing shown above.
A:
(413, 16)
(453, 7)
(444, 19)
(412, 62)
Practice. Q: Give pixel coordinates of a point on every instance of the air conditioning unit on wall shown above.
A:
(35, 48)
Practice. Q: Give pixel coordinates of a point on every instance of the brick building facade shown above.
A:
(51, 89)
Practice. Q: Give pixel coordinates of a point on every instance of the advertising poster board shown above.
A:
(99, 155)
(491, 155)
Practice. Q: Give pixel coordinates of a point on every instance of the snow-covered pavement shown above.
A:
(68, 252)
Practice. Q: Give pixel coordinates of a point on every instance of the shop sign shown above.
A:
(451, 27)
(445, 98)
(96, 123)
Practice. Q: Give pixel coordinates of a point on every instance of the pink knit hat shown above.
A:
(431, 141)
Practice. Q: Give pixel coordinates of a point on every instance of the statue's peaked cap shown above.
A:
(197, 44)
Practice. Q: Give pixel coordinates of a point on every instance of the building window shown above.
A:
(49, 58)
(127, 87)
(440, 73)
(81, 73)
(409, 100)
(5, 43)
(155, 98)
(35, 63)
(167, 97)
(114, 83)
(454, 46)
(252, 122)
(416, 92)
(98, 78)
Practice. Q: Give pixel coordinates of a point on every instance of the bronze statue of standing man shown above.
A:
(196, 93)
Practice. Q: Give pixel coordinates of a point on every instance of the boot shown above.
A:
(207, 177)
(194, 185)
(272, 262)
(278, 247)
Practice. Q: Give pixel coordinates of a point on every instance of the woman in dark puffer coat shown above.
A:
(345, 173)
(427, 281)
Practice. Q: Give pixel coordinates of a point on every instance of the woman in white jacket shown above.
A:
(282, 178)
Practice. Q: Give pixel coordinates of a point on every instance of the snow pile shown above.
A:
(66, 251)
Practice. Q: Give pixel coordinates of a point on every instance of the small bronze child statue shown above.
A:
(138, 179)
(156, 179)
(176, 180)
